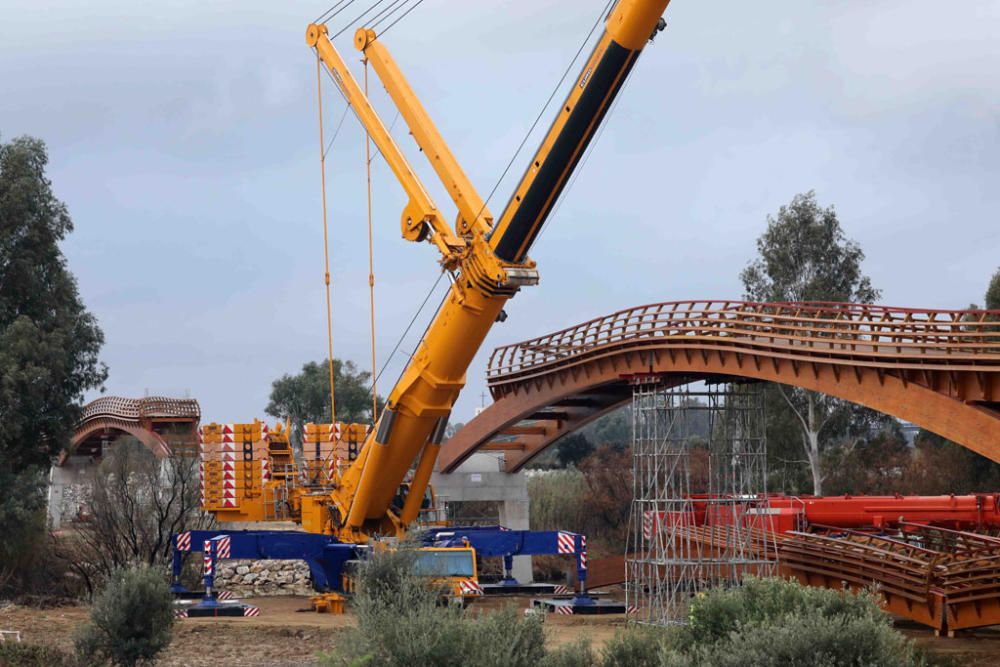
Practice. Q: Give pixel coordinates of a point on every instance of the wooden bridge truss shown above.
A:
(939, 369)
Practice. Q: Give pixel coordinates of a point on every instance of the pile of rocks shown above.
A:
(263, 577)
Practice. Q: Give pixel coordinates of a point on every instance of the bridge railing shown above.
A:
(134, 409)
(821, 329)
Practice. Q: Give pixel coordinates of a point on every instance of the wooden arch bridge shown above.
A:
(938, 369)
(163, 425)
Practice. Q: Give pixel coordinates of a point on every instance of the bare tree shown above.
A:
(137, 502)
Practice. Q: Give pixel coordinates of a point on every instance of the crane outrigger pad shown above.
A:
(581, 604)
(237, 610)
(525, 589)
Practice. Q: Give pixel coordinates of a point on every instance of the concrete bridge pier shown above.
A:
(481, 478)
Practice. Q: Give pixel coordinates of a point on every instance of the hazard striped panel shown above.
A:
(470, 587)
(180, 613)
(648, 520)
(583, 552)
(564, 609)
(565, 544)
(184, 541)
(251, 611)
(561, 590)
(222, 549)
(208, 558)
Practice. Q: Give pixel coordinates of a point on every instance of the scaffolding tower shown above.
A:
(699, 510)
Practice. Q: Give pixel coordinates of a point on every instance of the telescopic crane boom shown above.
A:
(488, 263)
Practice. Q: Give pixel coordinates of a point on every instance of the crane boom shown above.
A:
(472, 211)
(487, 267)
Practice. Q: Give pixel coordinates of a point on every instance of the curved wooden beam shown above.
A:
(152, 441)
(937, 369)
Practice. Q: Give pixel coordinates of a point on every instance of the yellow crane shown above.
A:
(249, 473)
(487, 259)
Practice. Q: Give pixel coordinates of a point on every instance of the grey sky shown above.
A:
(183, 137)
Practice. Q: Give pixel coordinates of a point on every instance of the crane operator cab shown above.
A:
(432, 513)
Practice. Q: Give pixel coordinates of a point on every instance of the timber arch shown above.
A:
(938, 369)
(146, 419)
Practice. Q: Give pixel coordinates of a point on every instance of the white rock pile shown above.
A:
(264, 577)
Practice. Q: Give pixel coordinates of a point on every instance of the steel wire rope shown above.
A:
(337, 131)
(326, 243)
(382, 15)
(371, 260)
(389, 27)
(407, 330)
(545, 107)
(378, 151)
(586, 156)
(350, 24)
(548, 102)
(323, 18)
(436, 282)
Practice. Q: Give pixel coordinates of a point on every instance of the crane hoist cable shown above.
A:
(371, 259)
(351, 24)
(545, 106)
(326, 16)
(389, 27)
(326, 240)
(416, 315)
(386, 13)
(586, 156)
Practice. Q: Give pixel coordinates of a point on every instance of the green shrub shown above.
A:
(131, 619)
(400, 623)
(774, 622)
(577, 654)
(635, 647)
(714, 615)
(16, 654)
(810, 640)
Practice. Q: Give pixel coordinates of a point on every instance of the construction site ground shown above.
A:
(285, 635)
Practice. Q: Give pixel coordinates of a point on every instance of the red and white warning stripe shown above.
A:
(208, 558)
(201, 464)
(228, 478)
(331, 468)
(565, 543)
(562, 590)
(265, 470)
(180, 613)
(224, 595)
(184, 541)
(583, 552)
(251, 611)
(648, 520)
(564, 609)
(265, 433)
(470, 587)
(631, 609)
(222, 548)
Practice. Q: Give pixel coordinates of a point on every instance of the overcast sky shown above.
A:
(183, 137)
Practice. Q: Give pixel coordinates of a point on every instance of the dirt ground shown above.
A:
(285, 635)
